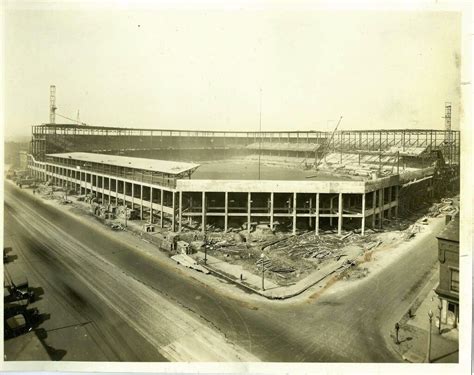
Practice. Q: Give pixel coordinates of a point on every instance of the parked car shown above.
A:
(17, 285)
(18, 321)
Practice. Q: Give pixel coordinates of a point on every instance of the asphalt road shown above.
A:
(347, 326)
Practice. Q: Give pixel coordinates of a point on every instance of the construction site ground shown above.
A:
(292, 263)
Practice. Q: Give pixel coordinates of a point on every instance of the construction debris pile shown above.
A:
(445, 207)
(284, 258)
(309, 246)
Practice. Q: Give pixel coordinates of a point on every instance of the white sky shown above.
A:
(203, 69)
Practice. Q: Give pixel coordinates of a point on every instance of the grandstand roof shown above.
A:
(163, 166)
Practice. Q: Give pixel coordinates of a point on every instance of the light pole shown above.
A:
(397, 329)
(428, 351)
(440, 308)
(205, 248)
(262, 257)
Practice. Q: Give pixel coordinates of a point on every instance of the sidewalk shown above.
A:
(237, 275)
(413, 333)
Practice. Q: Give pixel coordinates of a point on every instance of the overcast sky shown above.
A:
(204, 69)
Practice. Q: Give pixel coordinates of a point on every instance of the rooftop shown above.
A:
(451, 231)
(163, 166)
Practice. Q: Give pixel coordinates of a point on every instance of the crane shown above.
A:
(326, 146)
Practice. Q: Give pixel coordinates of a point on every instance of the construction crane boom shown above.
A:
(326, 146)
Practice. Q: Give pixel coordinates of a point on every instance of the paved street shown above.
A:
(109, 301)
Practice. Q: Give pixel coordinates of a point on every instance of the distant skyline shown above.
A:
(203, 69)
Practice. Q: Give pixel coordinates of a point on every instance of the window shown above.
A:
(455, 280)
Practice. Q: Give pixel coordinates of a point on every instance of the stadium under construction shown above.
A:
(302, 180)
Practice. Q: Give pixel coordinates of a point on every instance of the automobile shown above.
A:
(19, 321)
(6, 250)
(18, 286)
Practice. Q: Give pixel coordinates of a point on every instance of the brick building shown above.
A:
(448, 287)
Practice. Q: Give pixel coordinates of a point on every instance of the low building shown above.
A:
(448, 287)
(166, 188)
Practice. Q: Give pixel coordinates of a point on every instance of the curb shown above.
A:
(262, 293)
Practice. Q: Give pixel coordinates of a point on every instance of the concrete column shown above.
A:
(396, 201)
(141, 202)
(362, 229)
(381, 208)
(272, 208)
(294, 214)
(110, 190)
(151, 205)
(103, 190)
(180, 212)
(249, 207)
(374, 206)
(310, 212)
(124, 193)
(173, 217)
(316, 225)
(390, 194)
(203, 212)
(116, 192)
(339, 220)
(161, 211)
(226, 211)
(331, 207)
(133, 194)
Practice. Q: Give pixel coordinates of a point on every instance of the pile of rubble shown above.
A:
(445, 207)
(309, 245)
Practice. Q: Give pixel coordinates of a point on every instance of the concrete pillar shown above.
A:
(331, 206)
(396, 201)
(173, 217)
(180, 212)
(339, 220)
(124, 193)
(294, 214)
(249, 207)
(390, 194)
(141, 202)
(374, 206)
(133, 194)
(226, 211)
(203, 212)
(116, 192)
(272, 208)
(110, 190)
(151, 205)
(162, 205)
(362, 228)
(381, 208)
(316, 225)
(103, 190)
